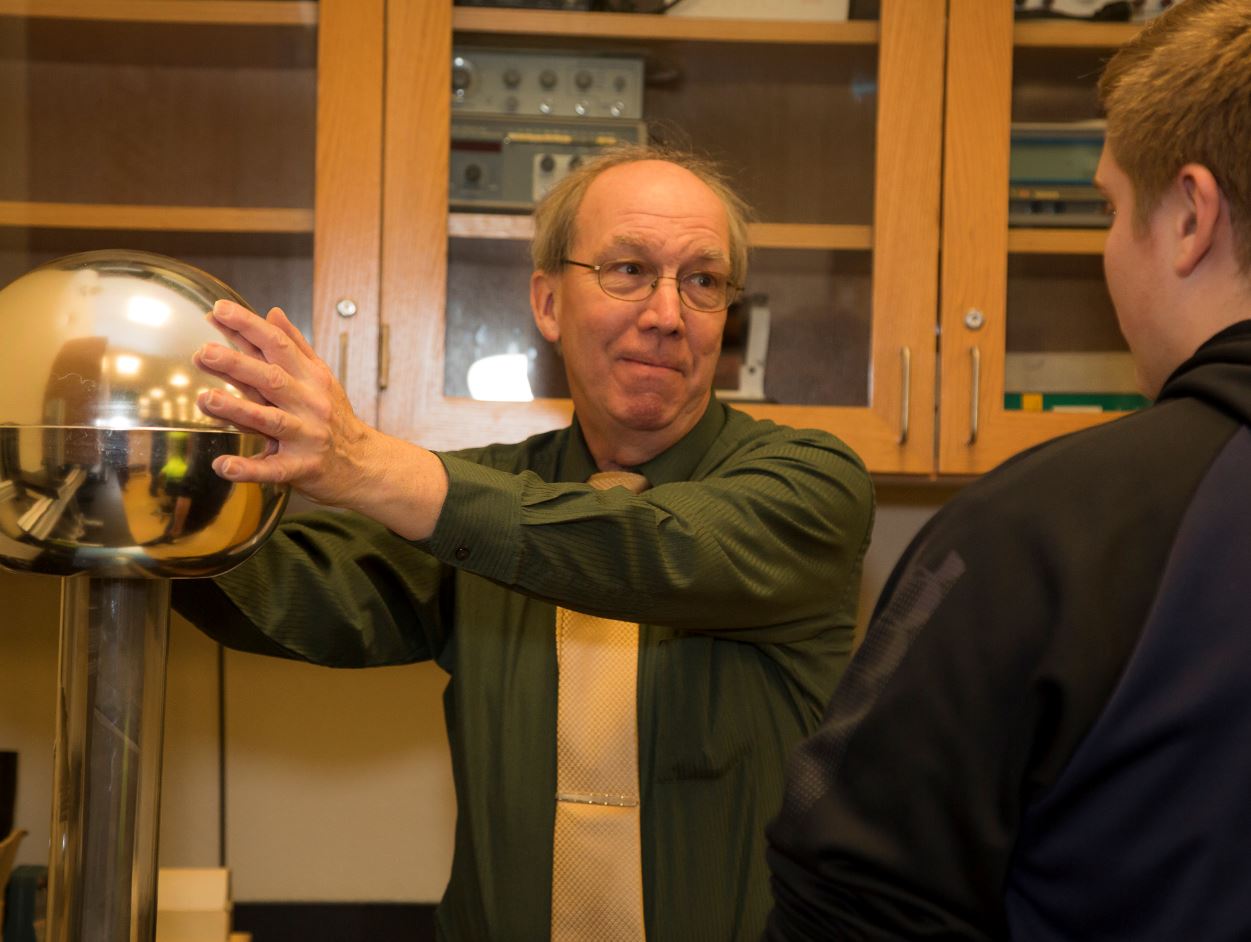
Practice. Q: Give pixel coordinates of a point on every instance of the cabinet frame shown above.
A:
(903, 237)
(976, 432)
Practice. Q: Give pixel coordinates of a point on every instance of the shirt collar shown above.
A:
(676, 463)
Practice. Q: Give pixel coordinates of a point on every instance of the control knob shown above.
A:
(462, 76)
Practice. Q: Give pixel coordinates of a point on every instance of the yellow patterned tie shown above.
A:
(597, 863)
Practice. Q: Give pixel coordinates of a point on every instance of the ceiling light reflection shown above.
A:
(147, 311)
(500, 378)
(127, 364)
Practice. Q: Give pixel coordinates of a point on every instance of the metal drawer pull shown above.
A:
(905, 365)
(976, 356)
(343, 358)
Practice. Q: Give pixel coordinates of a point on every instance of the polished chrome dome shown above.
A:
(105, 460)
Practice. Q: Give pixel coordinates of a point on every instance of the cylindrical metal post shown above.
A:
(106, 781)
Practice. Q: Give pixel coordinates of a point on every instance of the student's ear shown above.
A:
(1199, 216)
(543, 305)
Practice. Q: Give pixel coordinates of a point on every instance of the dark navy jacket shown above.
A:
(1046, 734)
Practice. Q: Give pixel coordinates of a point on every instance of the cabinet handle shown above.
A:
(343, 359)
(905, 392)
(975, 355)
(384, 355)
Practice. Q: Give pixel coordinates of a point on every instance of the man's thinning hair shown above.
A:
(556, 214)
(1179, 93)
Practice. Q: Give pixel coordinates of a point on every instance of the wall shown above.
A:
(337, 782)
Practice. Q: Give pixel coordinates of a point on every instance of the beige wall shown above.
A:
(338, 783)
(29, 620)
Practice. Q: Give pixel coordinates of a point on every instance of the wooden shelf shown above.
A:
(220, 12)
(770, 235)
(155, 218)
(1057, 241)
(1073, 34)
(649, 26)
(777, 235)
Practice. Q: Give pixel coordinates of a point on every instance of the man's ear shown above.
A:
(1199, 215)
(543, 305)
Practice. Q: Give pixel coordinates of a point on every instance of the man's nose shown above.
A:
(664, 307)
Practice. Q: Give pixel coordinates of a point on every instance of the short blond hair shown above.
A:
(557, 212)
(1179, 93)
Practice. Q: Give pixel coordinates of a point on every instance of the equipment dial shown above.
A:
(547, 78)
(547, 163)
(512, 77)
(462, 76)
(583, 79)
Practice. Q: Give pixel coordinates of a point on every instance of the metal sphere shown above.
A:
(105, 460)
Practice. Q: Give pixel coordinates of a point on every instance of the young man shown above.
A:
(1045, 733)
(613, 778)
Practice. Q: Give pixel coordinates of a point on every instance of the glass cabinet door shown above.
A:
(191, 130)
(830, 129)
(1030, 345)
(159, 130)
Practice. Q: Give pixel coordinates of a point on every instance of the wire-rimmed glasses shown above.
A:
(632, 280)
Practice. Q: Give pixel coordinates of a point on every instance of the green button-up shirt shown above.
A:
(741, 564)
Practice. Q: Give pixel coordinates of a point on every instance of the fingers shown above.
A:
(232, 336)
(270, 469)
(273, 383)
(273, 342)
(263, 419)
(279, 319)
(242, 388)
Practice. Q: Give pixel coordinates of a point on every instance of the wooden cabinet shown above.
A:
(237, 134)
(832, 130)
(300, 151)
(1013, 291)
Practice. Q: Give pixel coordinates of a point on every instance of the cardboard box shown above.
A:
(193, 905)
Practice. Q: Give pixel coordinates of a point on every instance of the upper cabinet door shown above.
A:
(183, 129)
(1029, 340)
(208, 132)
(831, 130)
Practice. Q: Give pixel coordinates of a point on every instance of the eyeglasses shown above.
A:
(630, 280)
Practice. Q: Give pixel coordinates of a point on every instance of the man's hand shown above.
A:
(317, 442)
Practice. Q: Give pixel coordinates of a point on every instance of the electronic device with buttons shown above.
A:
(1051, 175)
(505, 162)
(522, 119)
(526, 82)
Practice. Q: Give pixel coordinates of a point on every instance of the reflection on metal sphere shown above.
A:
(105, 459)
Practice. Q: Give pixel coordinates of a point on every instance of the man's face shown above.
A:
(1134, 265)
(638, 369)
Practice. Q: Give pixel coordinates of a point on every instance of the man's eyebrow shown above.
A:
(707, 253)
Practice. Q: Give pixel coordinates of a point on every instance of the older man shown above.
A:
(1045, 733)
(629, 665)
